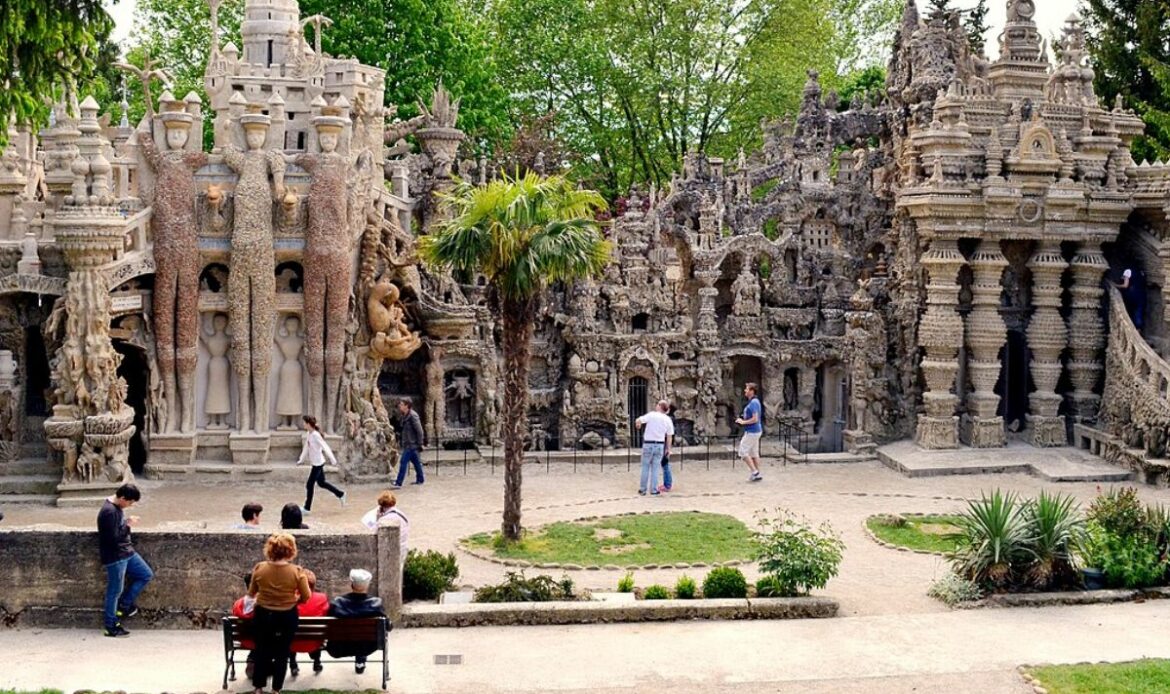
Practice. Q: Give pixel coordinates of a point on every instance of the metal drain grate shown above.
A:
(449, 659)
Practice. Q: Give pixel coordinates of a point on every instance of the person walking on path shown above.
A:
(655, 445)
(752, 422)
(120, 560)
(316, 451)
(412, 439)
(278, 586)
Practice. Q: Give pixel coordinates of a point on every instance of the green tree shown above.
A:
(522, 233)
(1130, 54)
(45, 45)
(636, 84)
(976, 25)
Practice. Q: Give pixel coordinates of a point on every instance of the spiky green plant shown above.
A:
(523, 233)
(993, 542)
(1055, 529)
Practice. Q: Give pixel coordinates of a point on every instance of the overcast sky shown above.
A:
(1050, 15)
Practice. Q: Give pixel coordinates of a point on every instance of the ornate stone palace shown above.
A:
(933, 266)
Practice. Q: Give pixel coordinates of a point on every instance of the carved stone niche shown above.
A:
(459, 396)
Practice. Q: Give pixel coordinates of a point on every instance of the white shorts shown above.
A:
(749, 445)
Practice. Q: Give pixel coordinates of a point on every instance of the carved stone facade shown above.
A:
(929, 267)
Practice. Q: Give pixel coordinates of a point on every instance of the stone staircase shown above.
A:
(31, 479)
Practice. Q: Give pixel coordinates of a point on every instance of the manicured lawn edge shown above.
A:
(586, 612)
(888, 545)
(1097, 677)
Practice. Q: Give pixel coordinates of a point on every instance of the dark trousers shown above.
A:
(409, 455)
(317, 477)
(274, 637)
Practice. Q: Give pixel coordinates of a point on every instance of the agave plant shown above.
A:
(993, 542)
(1055, 529)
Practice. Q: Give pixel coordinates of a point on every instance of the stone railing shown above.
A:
(1135, 407)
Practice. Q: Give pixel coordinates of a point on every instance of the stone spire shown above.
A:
(271, 31)
(1021, 72)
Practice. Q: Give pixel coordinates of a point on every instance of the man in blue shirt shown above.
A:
(752, 422)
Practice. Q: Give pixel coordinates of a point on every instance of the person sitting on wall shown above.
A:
(356, 603)
(387, 513)
(291, 518)
(251, 515)
(317, 606)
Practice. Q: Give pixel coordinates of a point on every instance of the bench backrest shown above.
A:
(363, 629)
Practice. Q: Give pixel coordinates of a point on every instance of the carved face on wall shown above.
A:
(177, 137)
(255, 137)
(220, 321)
(328, 140)
(292, 324)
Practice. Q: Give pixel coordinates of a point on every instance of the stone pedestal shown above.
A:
(983, 432)
(1046, 431)
(859, 442)
(172, 449)
(249, 448)
(937, 432)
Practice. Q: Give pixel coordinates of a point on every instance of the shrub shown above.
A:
(518, 588)
(1128, 561)
(426, 575)
(1054, 530)
(1118, 512)
(770, 587)
(797, 556)
(656, 592)
(684, 588)
(626, 583)
(725, 582)
(993, 541)
(953, 590)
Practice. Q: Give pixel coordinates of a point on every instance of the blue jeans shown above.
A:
(651, 460)
(409, 455)
(139, 573)
(667, 478)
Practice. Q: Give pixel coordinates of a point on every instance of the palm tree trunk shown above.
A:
(518, 327)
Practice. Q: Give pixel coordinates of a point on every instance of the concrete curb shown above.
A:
(585, 612)
(1068, 597)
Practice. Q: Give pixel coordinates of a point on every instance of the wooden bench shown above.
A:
(374, 630)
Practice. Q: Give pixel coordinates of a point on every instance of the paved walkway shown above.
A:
(873, 580)
(966, 651)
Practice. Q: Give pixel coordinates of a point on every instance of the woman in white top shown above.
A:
(387, 513)
(316, 451)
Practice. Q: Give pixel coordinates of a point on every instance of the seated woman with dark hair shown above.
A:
(291, 518)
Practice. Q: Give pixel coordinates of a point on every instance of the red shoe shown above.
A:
(663, 489)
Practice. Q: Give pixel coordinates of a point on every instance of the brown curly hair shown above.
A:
(280, 547)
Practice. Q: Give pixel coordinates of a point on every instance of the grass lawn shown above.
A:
(653, 538)
(1116, 678)
(925, 533)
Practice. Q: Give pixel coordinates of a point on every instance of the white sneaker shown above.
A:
(305, 511)
(343, 499)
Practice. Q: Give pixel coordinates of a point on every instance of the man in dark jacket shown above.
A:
(411, 440)
(356, 603)
(120, 560)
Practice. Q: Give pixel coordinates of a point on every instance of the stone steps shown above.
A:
(1064, 464)
(43, 499)
(29, 484)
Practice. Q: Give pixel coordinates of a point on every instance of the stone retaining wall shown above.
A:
(52, 577)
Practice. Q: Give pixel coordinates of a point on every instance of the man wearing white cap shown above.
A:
(356, 603)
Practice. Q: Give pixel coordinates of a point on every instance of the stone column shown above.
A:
(1047, 338)
(986, 334)
(940, 334)
(1086, 333)
(710, 379)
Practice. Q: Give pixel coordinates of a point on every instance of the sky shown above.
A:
(1050, 16)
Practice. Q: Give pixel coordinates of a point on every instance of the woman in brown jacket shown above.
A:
(278, 586)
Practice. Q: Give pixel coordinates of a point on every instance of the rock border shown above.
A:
(1038, 687)
(873, 536)
(558, 566)
(1067, 598)
(591, 612)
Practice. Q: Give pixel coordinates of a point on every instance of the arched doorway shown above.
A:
(636, 404)
(133, 369)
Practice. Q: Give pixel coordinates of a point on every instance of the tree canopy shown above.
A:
(46, 45)
(1131, 57)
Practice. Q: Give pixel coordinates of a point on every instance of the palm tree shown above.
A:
(522, 233)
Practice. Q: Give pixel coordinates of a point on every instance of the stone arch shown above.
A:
(290, 277)
(213, 278)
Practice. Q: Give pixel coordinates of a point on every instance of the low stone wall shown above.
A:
(53, 578)
(589, 612)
